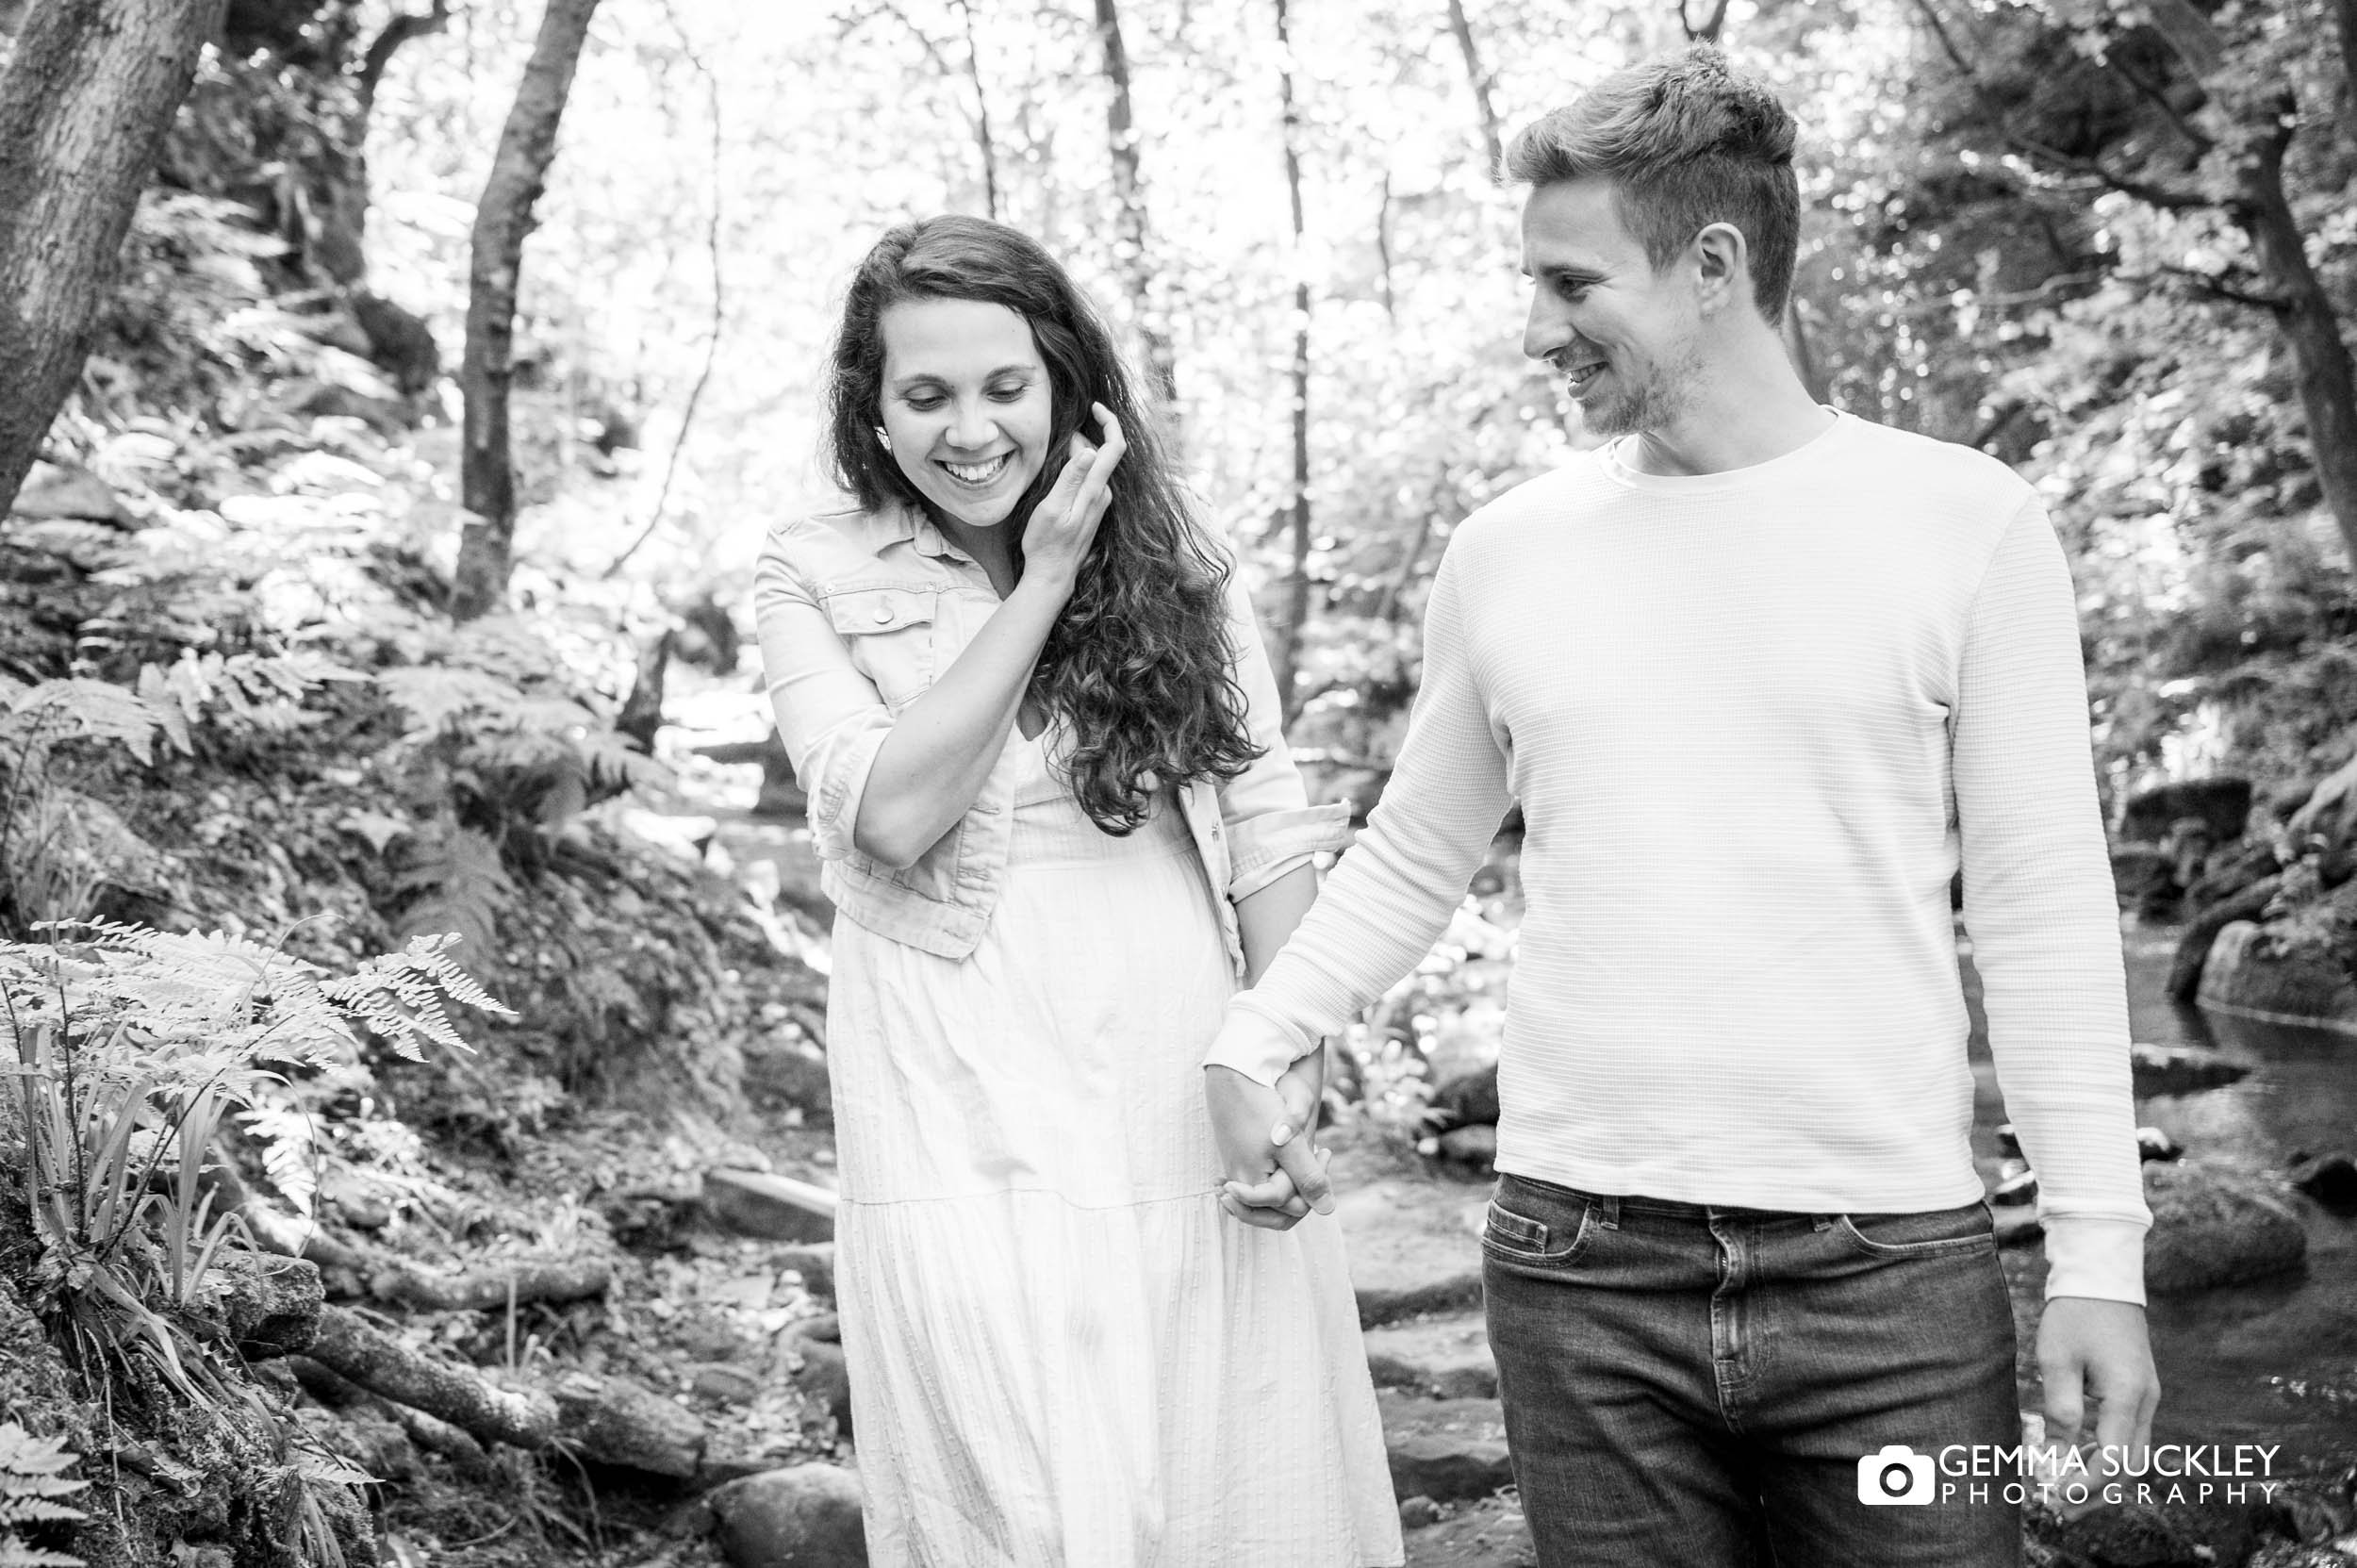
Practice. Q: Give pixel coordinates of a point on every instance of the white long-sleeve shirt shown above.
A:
(1755, 720)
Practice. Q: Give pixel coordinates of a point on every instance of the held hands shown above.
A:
(1276, 1175)
(1057, 536)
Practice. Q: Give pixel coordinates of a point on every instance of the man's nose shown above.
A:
(1548, 328)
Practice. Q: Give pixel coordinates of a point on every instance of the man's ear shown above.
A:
(1722, 270)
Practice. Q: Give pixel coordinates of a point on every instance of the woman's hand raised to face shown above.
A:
(1057, 536)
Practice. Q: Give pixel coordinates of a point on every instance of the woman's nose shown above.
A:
(974, 427)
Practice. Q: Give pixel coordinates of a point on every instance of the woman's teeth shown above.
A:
(979, 474)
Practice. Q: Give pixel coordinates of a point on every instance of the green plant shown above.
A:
(129, 1044)
(30, 1487)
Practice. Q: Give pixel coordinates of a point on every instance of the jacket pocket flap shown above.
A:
(861, 612)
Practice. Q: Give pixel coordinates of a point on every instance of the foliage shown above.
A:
(31, 1484)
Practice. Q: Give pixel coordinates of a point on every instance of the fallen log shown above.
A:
(606, 1420)
(354, 1351)
(565, 1280)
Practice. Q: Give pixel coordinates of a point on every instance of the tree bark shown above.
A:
(981, 114)
(83, 107)
(1481, 81)
(2304, 314)
(503, 219)
(1297, 580)
(1129, 208)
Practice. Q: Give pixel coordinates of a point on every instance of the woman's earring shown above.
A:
(884, 439)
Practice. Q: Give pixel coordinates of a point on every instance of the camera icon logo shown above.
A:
(1894, 1477)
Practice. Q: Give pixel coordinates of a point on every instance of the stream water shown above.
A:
(2274, 1360)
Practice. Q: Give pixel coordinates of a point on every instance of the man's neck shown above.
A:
(1752, 409)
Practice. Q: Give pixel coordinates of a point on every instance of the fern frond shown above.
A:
(82, 708)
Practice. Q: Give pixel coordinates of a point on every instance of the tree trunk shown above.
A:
(1483, 106)
(1298, 582)
(1130, 209)
(2320, 361)
(83, 107)
(981, 114)
(503, 219)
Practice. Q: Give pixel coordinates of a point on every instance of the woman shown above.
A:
(1059, 823)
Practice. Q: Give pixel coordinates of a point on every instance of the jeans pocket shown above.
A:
(1516, 1237)
(1933, 1234)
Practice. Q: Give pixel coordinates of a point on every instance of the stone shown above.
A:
(2153, 1143)
(2213, 1226)
(826, 1381)
(1445, 1356)
(2161, 1534)
(722, 1384)
(775, 1208)
(57, 490)
(1475, 1145)
(2330, 1179)
(802, 1516)
(1415, 1513)
(815, 1263)
(1492, 1533)
(1414, 1247)
(2222, 804)
(618, 1421)
(2143, 875)
(358, 1202)
(1444, 1450)
(269, 1304)
(1466, 1101)
(2018, 1226)
(2180, 1071)
(2018, 1188)
(2242, 978)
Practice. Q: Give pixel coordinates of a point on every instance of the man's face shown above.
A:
(1625, 338)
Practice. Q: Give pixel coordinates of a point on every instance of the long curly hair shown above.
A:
(1139, 665)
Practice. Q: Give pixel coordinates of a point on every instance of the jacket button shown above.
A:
(883, 614)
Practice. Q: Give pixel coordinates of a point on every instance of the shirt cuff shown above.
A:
(2102, 1259)
(1255, 1044)
(845, 761)
(1262, 849)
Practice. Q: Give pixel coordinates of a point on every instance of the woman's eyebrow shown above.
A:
(919, 378)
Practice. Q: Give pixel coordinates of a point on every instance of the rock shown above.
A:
(56, 490)
(1445, 1356)
(1444, 1450)
(2016, 1189)
(2223, 806)
(1465, 1101)
(2161, 1534)
(826, 1381)
(2330, 1179)
(2007, 1139)
(827, 1327)
(1475, 1145)
(1414, 1248)
(2018, 1226)
(2153, 1143)
(269, 1304)
(776, 1207)
(1491, 1533)
(1417, 1512)
(357, 1201)
(814, 1264)
(2242, 977)
(2143, 875)
(2180, 1071)
(617, 1421)
(722, 1384)
(2214, 1226)
(804, 1517)
(2286, 1554)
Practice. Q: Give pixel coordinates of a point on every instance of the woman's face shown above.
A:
(966, 405)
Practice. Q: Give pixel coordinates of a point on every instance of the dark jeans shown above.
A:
(1695, 1386)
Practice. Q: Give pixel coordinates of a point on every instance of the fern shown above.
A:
(460, 884)
(79, 708)
(30, 1486)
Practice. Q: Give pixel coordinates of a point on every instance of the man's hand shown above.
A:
(1275, 1176)
(2099, 1350)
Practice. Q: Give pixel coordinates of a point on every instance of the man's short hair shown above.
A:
(1686, 142)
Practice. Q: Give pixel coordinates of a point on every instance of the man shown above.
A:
(1762, 676)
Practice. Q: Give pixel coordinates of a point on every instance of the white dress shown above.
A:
(1062, 1354)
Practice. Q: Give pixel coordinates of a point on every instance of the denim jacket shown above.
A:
(859, 614)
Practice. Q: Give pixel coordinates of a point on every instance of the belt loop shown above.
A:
(1609, 1206)
(1822, 1222)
